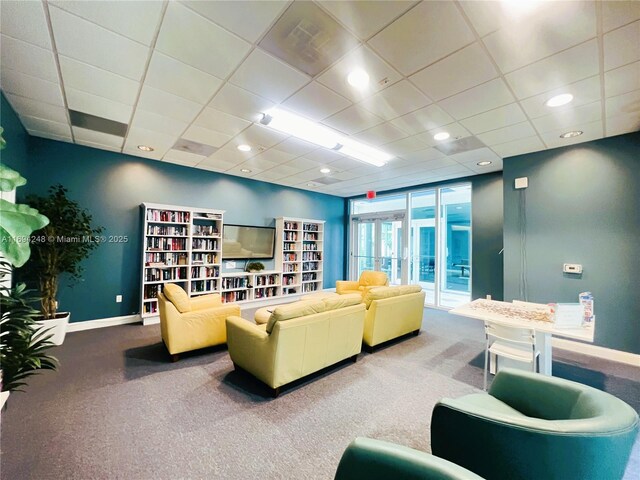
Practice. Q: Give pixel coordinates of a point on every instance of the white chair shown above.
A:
(510, 342)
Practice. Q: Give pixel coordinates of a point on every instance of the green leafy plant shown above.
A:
(254, 266)
(61, 245)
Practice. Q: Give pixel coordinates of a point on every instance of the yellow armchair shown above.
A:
(368, 279)
(192, 323)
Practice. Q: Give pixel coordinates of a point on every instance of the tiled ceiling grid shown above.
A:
(191, 78)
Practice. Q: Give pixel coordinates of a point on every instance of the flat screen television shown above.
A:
(240, 242)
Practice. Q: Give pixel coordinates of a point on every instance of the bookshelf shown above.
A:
(181, 245)
(299, 249)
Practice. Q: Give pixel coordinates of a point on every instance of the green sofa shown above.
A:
(532, 426)
(368, 459)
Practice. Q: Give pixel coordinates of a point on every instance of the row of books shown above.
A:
(311, 256)
(235, 282)
(309, 287)
(234, 296)
(158, 274)
(266, 292)
(200, 272)
(267, 280)
(205, 244)
(162, 243)
(203, 286)
(290, 267)
(309, 266)
(167, 230)
(310, 236)
(167, 216)
(311, 227)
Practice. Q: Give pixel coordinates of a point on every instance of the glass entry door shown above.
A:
(378, 244)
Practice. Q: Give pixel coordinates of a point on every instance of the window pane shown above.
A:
(380, 204)
(423, 242)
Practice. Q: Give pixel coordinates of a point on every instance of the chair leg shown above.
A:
(175, 357)
(416, 332)
(354, 358)
(275, 392)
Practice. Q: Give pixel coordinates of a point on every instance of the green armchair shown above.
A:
(368, 459)
(532, 426)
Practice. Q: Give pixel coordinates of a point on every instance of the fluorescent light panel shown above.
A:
(304, 129)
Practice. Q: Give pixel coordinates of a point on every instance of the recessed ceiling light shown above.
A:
(325, 170)
(244, 148)
(441, 136)
(358, 78)
(145, 148)
(573, 133)
(311, 184)
(245, 170)
(559, 100)
(484, 163)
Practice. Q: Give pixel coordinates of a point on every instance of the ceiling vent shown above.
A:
(97, 124)
(326, 180)
(307, 38)
(458, 146)
(196, 148)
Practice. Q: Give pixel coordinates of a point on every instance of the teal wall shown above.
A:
(112, 186)
(15, 155)
(582, 206)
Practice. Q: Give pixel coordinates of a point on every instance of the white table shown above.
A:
(523, 316)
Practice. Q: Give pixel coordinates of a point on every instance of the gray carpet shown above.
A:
(117, 409)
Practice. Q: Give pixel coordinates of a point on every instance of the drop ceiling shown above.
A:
(191, 79)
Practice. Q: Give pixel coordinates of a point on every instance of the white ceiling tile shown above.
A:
(406, 145)
(25, 21)
(493, 119)
(485, 17)
(228, 156)
(96, 81)
(200, 43)
(158, 123)
(428, 155)
(474, 156)
(455, 130)
(271, 175)
(160, 142)
(364, 18)
(284, 170)
(507, 134)
(167, 104)
(567, 119)
(260, 162)
(97, 138)
(33, 108)
(323, 155)
(585, 91)
(396, 100)
(170, 75)
(253, 170)
(206, 136)
(542, 33)
(352, 120)
(240, 103)
(303, 163)
(380, 73)
(274, 156)
(315, 101)
(98, 146)
(519, 147)
(42, 125)
(592, 131)
(295, 146)
(346, 163)
(495, 166)
(426, 118)
(622, 46)
(560, 69)
(383, 133)
(462, 70)
(29, 59)
(50, 136)
(257, 135)
(137, 20)
(268, 77)
(617, 14)
(479, 99)
(30, 87)
(98, 106)
(623, 124)
(220, 168)
(628, 103)
(92, 44)
(423, 35)
(622, 80)
(219, 121)
(248, 19)
(180, 157)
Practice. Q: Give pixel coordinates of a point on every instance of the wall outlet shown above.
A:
(118, 298)
(522, 182)
(572, 268)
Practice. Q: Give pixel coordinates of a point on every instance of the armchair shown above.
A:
(368, 459)
(368, 279)
(192, 323)
(532, 426)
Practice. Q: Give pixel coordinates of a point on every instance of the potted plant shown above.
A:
(60, 247)
(254, 267)
(22, 348)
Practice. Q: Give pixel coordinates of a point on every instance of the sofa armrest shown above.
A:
(206, 301)
(369, 459)
(251, 348)
(343, 286)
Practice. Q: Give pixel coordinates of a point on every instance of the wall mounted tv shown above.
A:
(242, 242)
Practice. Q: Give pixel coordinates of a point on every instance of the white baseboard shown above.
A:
(596, 351)
(102, 322)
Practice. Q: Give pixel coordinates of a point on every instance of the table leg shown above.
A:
(544, 345)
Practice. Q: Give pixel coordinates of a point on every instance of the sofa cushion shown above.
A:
(369, 278)
(347, 300)
(380, 293)
(177, 296)
(295, 310)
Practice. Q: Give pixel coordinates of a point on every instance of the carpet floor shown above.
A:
(118, 409)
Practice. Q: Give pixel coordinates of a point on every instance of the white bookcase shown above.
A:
(181, 245)
(299, 249)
